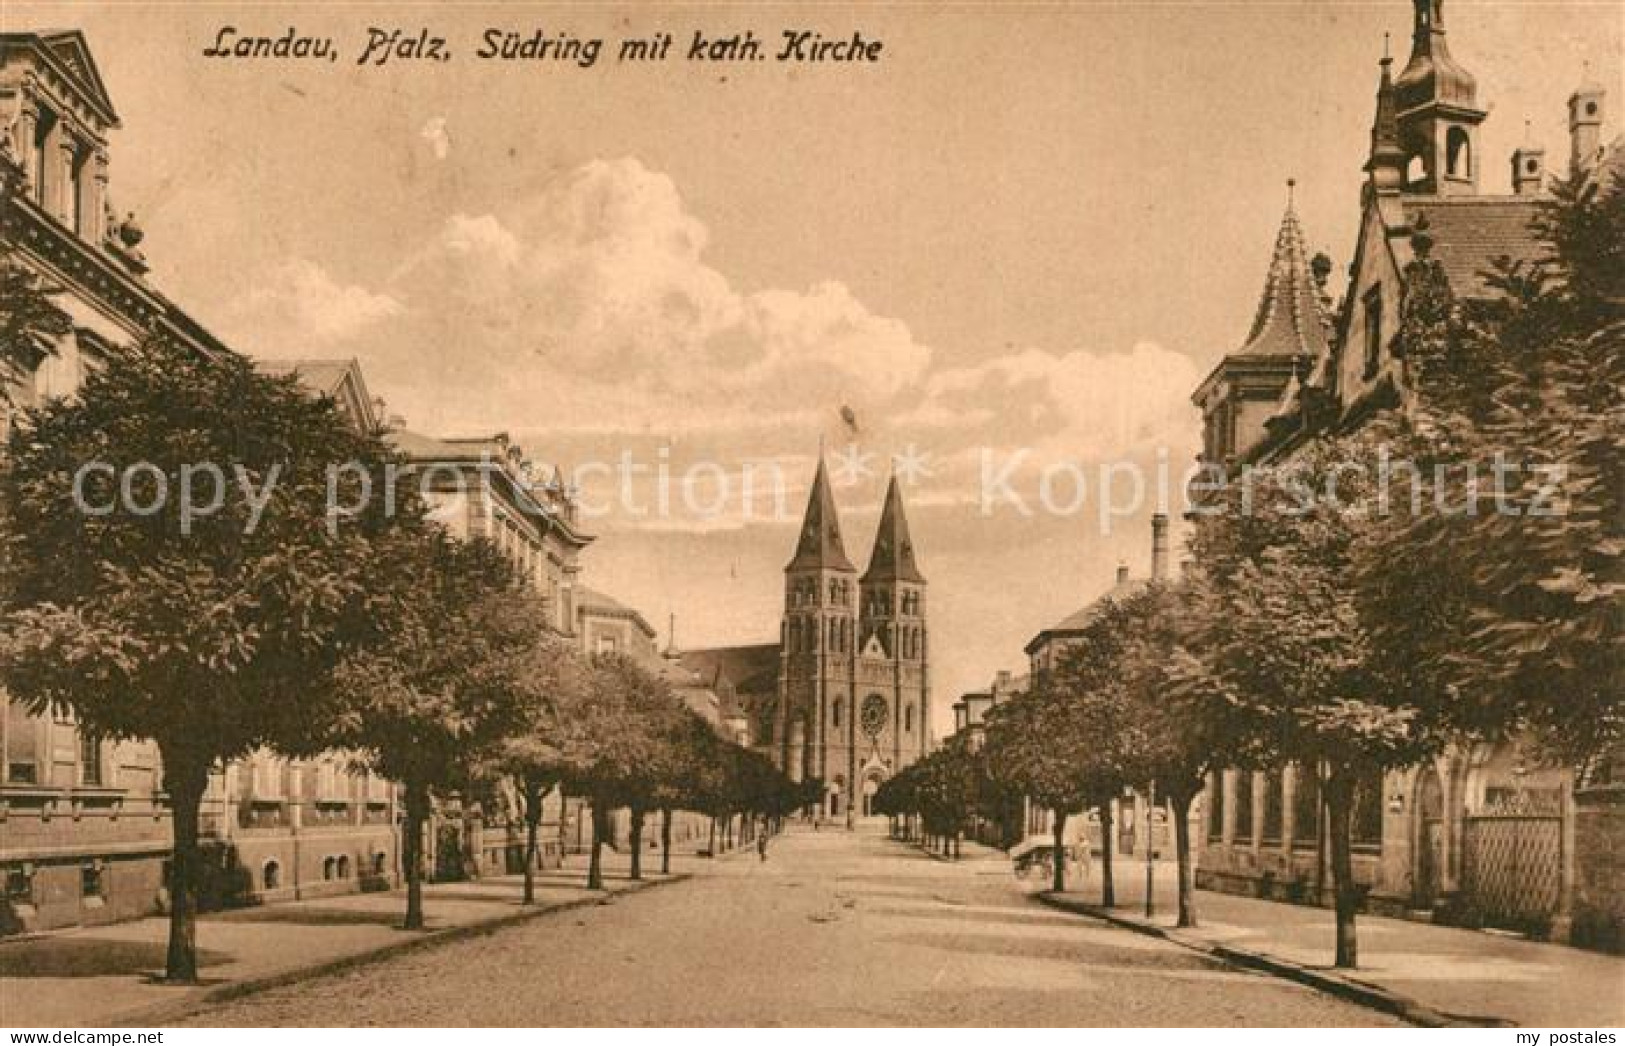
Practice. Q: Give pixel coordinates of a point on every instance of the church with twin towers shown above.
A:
(844, 695)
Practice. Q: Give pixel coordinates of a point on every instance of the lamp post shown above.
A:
(1150, 848)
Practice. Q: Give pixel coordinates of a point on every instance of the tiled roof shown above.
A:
(590, 600)
(1290, 320)
(1083, 617)
(751, 670)
(1470, 232)
(320, 376)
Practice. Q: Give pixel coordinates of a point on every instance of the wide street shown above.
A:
(835, 928)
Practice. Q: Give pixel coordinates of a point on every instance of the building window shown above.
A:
(1365, 822)
(92, 883)
(380, 864)
(22, 745)
(330, 868)
(1244, 808)
(19, 885)
(1373, 331)
(271, 875)
(1215, 805)
(344, 866)
(1272, 808)
(1305, 807)
(42, 138)
(908, 718)
(90, 760)
(835, 713)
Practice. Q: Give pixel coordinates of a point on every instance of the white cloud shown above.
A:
(297, 303)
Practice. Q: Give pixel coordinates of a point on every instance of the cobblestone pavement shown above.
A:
(834, 929)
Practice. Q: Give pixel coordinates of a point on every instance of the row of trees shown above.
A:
(1349, 615)
(273, 621)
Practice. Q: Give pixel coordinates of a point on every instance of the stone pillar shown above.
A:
(1563, 922)
(27, 127)
(96, 219)
(65, 200)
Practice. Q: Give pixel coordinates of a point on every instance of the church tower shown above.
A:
(892, 679)
(816, 640)
(1438, 113)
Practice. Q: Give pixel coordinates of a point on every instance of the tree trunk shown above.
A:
(1059, 883)
(600, 829)
(711, 841)
(636, 842)
(1339, 806)
(1180, 802)
(417, 815)
(1108, 892)
(186, 777)
(665, 841)
(534, 794)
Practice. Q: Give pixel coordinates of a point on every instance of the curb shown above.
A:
(168, 1013)
(1347, 988)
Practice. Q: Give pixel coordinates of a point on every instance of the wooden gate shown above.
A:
(1512, 861)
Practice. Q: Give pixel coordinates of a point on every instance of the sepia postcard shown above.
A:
(1099, 513)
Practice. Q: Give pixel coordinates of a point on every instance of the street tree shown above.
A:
(430, 704)
(174, 572)
(1284, 648)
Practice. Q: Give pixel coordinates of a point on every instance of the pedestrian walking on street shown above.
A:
(761, 845)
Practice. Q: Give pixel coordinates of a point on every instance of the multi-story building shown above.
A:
(1483, 832)
(1136, 822)
(85, 832)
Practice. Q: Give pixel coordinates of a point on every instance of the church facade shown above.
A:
(849, 703)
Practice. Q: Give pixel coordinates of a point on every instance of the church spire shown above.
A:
(1289, 321)
(820, 546)
(893, 555)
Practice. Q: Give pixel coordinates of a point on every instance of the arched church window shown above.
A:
(835, 713)
(1458, 153)
(908, 718)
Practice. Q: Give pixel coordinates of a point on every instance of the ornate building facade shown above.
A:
(1484, 833)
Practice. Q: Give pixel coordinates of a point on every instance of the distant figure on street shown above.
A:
(761, 844)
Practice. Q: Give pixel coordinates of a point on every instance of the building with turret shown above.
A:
(1484, 832)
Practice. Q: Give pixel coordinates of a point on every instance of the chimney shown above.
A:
(1528, 170)
(1585, 126)
(1159, 547)
(1122, 573)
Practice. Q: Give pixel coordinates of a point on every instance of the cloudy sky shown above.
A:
(1015, 243)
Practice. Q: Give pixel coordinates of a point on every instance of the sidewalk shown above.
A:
(1428, 974)
(100, 976)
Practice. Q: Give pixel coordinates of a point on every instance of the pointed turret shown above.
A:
(893, 556)
(1386, 164)
(820, 546)
(1290, 320)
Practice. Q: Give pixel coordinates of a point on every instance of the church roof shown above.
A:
(893, 556)
(1432, 76)
(820, 546)
(1290, 320)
